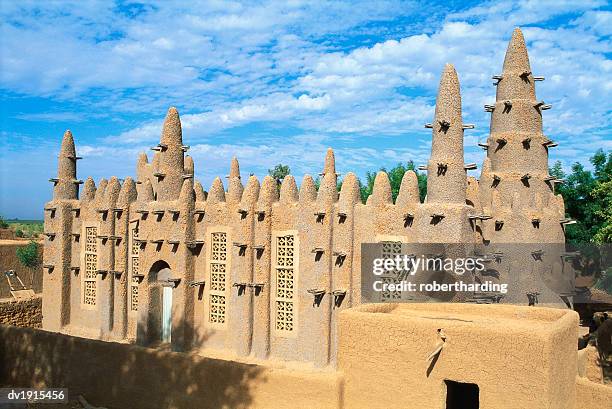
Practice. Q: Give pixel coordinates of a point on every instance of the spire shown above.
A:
(143, 159)
(349, 193)
(409, 189)
(200, 195)
(308, 190)
(172, 158)
(65, 187)
(67, 158)
(189, 167)
(330, 162)
(447, 130)
(146, 195)
(155, 162)
(172, 133)
(234, 169)
(111, 193)
(381, 193)
(128, 193)
(101, 188)
(288, 191)
(516, 81)
(251, 192)
(187, 196)
(141, 166)
(328, 190)
(269, 191)
(89, 190)
(235, 188)
(216, 193)
(517, 59)
(446, 177)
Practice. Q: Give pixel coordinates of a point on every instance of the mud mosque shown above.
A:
(262, 271)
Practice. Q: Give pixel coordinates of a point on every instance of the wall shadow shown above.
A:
(123, 376)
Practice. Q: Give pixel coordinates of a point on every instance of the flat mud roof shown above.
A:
(472, 314)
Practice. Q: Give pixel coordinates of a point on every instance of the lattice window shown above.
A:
(285, 283)
(91, 266)
(217, 309)
(134, 268)
(391, 249)
(217, 277)
(219, 246)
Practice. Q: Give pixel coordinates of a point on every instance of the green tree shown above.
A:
(3, 223)
(279, 172)
(28, 255)
(587, 196)
(396, 175)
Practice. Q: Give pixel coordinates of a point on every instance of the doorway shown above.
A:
(159, 309)
(166, 322)
(461, 395)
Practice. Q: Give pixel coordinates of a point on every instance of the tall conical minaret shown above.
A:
(516, 168)
(59, 220)
(172, 158)
(446, 178)
(66, 186)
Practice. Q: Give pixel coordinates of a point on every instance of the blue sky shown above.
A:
(280, 81)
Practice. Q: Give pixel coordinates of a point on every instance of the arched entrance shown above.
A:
(160, 303)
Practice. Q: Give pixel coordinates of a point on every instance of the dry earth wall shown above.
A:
(25, 313)
(123, 376)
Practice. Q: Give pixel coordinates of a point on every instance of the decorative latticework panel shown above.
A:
(285, 283)
(217, 309)
(217, 277)
(387, 295)
(284, 251)
(284, 315)
(219, 246)
(134, 268)
(390, 249)
(91, 239)
(90, 293)
(91, 266)
(134, 297)
(135, 246)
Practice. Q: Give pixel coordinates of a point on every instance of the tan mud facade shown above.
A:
(250, 269)
(518, 357)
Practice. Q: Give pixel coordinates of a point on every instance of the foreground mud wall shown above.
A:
(123, 376)
(384, 348)
(591, 395)
(25, 313)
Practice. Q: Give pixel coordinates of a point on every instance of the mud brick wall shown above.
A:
(127, 376)
(26, 313)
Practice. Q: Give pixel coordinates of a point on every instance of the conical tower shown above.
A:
(172, 158)
(446, 177)
(443, 218)
(66, 185)
(517, 155)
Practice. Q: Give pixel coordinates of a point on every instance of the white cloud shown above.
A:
(333, 73)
